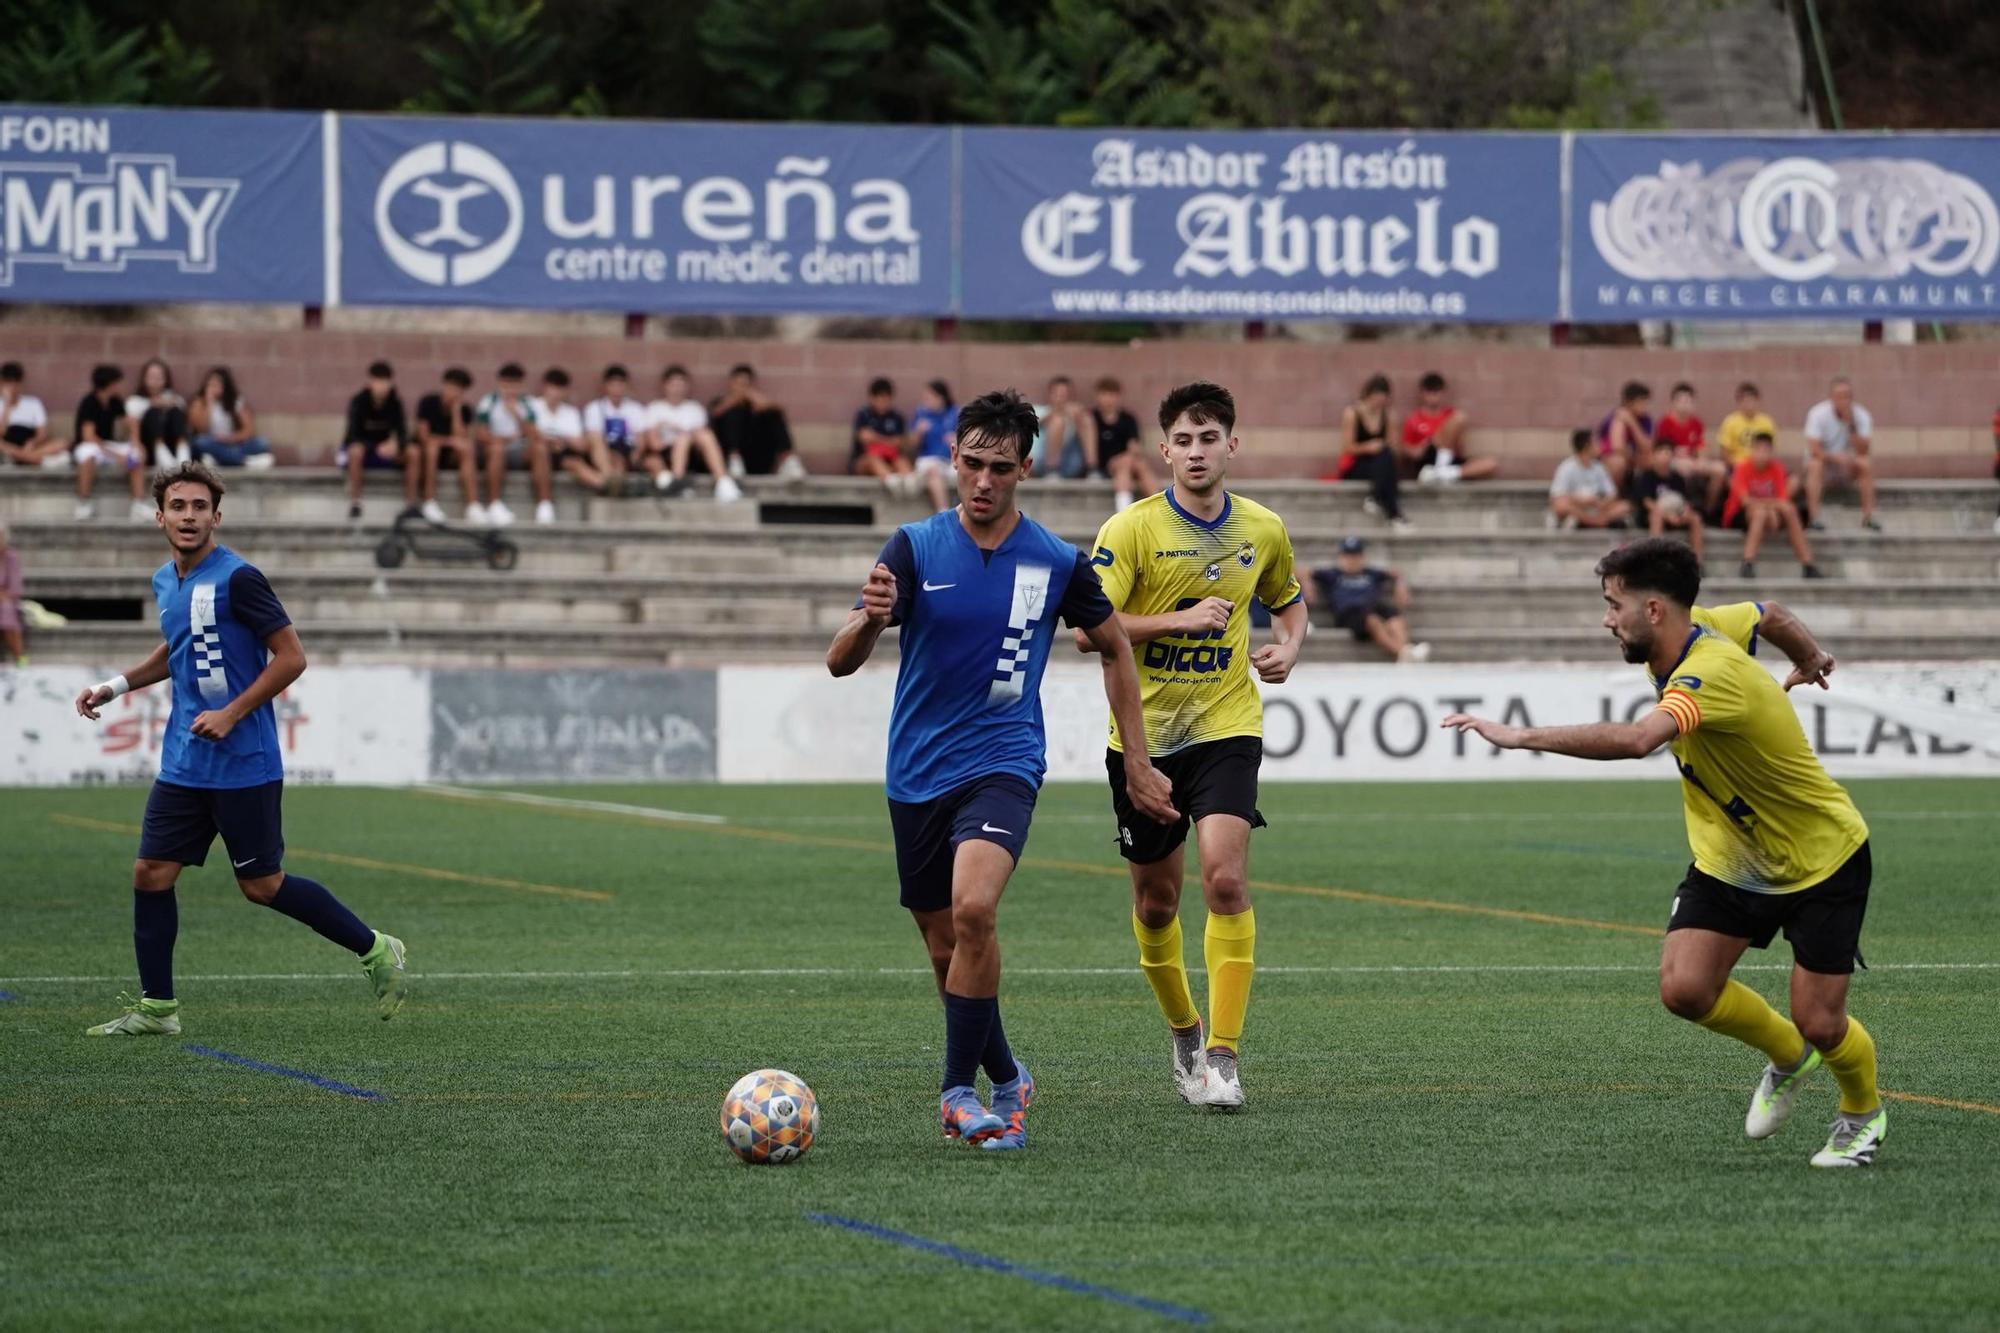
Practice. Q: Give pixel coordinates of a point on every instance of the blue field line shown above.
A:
(6, 995)
(245, 1062)
(973, 1260)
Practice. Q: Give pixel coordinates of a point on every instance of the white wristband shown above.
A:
(117, 685)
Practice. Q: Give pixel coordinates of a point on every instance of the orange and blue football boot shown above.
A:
(1011, 1102)
(964, 1118)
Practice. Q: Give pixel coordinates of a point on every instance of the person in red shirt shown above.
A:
(1758, 503)
(1682, 429)
(1434, 439)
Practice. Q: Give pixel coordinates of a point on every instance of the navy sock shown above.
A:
(966, 1023)
(998, 1058)
(308, 901)
(156, 921)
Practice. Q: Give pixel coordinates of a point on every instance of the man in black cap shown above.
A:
(1369, 603)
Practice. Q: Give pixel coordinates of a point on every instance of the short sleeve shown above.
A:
(1738, 622)
(1278, 587)
(593, 418)
(253, 603)
(1864, 422)
(1816, 423)
(900, 555)
(1084, 605)
(1116, 559)
(1708, 692)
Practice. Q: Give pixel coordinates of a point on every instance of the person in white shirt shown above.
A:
(156, 417)
(1839, 434)
(562, 429)
(508, 425)
(24, 422)
(680, 427)
(616, 425)
(1583, 494)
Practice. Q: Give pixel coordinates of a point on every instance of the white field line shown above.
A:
(571, 803)
(673, 973)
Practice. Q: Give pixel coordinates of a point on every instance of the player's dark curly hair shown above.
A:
(1000, 417)
(1202, 403)
(1655, 564)
(189, 471)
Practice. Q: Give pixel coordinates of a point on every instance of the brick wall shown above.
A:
(1932, 404)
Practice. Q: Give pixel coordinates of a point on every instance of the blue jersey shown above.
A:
(934, 430)
(215, 622)
(977, 628)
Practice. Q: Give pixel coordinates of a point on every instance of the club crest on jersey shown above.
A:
(1212, 573)
(1246, 554)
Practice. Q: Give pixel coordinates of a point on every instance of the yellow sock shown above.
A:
(1230, 944)
(1747, 1016)
(1160, 960)
(1853, 1063)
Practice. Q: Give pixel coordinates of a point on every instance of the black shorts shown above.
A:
(1355, 622)
(1212, 778)
(995, 809)
(1823, 922)
(181, 824)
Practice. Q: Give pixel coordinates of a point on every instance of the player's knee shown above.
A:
(262, 889)
(1823, 1028)
(1689, 997)
(973, 922)
(154, 876)
(1226, 892)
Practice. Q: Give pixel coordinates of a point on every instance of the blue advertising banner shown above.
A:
(611, 215)
(1811, 226)
(1109, 224)
(103, 205)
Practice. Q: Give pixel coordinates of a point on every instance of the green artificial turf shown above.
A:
(1529, 1139)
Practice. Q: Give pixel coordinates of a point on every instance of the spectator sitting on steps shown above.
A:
(444, 434)
(24, 422)
(1758, 503)
(157, 418)
(933, 431)
(1069, 433)
(1365, 454)
(100, 419)
(1625, 436)
(679, 427)
(752, 429)
(1369, 602)
(877, 447)
(224, 427)
(1582, 495)
(1661, 494)
(377, 435)
(1839, 435)
(1433, 449)
(508, 426)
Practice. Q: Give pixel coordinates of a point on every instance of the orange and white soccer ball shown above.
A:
(770, 1117)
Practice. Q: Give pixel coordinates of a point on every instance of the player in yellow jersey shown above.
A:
(1181, 567)
(1777, 843)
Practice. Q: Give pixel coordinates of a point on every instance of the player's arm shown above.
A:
(287, 664)
(1783, 630)
(1594, 740)
(854, 642)
(149, 672)
(1275, 660)
(1149, 788)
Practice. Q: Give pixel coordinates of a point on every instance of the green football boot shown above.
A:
(384, 966)
(142, 1018)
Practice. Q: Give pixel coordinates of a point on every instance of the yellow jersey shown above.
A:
(1761, 812)
(1733, 435)
(1156, 558)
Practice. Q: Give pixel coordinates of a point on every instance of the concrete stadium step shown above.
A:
(101, 645)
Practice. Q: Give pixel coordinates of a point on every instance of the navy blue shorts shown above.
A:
(994, 809)
(181, 824)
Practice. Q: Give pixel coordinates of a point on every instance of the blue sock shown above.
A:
(967, 1021)
(156, 921)
(308, 901)
(998, 1059)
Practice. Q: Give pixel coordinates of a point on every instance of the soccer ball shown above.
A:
(770, 1118)
(1672, 503)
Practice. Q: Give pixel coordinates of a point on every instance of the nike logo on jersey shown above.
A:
(988, 828)
(937, 587)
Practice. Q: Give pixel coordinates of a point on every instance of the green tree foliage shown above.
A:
(1084, 62)
(798, 59)
(65, 53)
(496, 57)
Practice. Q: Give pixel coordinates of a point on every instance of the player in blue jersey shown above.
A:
(229, 650)
(977, 590)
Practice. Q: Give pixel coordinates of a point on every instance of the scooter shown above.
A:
(413, 534)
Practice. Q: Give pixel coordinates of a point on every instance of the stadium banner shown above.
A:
(1145, 224)
(1813, 227)
(629, 215)
(345, 724)
(492, 725)
(99, 204)
(786, 724)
